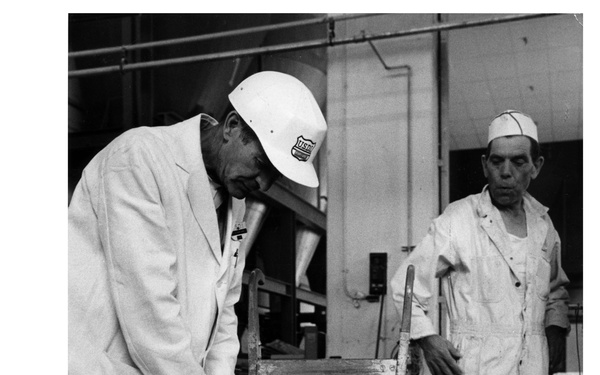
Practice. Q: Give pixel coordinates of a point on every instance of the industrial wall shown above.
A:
(382, 151)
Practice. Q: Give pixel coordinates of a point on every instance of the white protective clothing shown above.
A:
(497, 321)
(150, 291)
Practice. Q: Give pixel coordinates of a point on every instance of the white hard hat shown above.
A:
(285, 116)
(511, 122)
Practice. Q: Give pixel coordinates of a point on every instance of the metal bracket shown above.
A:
(331, 32)
(123, 60)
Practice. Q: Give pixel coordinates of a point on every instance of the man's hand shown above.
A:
(556, 346)
(440, 355)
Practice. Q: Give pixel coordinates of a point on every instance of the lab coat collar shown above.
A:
(186, 136)
(188, 156)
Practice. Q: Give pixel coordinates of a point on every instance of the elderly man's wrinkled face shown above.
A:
(244, 165)
(509, 169)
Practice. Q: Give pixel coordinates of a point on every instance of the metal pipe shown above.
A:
(408, 145)
(295, 46)
(222, 34)
(355, 296)
(409, 167)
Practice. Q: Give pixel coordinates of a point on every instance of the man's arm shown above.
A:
(441, 356)
(556, 347)
(557, 321)
(432, 258)
(140, 257)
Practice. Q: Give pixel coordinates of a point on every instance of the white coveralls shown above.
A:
(497, 319)
(150, 291)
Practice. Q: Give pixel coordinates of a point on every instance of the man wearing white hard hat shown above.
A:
(498, 256)
(155, 225)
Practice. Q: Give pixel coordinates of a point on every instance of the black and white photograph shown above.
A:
(292, 192)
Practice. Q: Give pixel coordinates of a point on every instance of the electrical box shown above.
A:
(377, 274)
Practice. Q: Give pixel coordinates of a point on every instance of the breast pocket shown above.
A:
(489, 272)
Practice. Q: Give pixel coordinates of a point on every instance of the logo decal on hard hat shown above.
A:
(303, 148)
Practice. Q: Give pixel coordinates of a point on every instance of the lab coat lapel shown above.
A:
(204, 211)
(226, 240)
(235, 215)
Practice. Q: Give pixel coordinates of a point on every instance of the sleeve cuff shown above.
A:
(421, 327)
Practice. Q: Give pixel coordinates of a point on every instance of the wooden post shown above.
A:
(405, 325)
(254, 354)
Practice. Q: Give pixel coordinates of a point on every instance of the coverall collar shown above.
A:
(530, 204)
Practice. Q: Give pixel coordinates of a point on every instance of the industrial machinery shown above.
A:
(259, 366)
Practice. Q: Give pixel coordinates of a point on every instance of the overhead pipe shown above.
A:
(125, 67)
(222, 34)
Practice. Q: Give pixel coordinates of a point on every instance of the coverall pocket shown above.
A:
(470, 348)
(488, 279)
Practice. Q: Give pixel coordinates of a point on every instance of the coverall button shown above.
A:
(518, 284)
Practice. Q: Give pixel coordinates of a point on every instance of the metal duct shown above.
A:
(310, 67)
(256, 213)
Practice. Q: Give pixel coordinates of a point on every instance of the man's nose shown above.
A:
(265, 179)
(505, 169)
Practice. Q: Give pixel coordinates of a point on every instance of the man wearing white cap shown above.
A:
(155, 225)
(498, 256)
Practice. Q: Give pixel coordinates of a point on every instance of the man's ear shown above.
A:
(538, 164)
(484, 165)
(232, 121)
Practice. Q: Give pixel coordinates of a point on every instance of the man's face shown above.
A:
(509, 169)
(245, 167)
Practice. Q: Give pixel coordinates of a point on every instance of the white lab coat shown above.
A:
(149, 290)
(497, 321)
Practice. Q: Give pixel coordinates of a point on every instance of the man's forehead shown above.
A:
(512, 145)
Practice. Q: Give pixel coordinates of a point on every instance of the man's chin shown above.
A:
(239, 195)
(239, 192)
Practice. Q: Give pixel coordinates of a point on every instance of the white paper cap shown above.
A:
(512, 122)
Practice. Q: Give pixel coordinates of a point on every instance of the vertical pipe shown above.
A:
(409, 171)
(443, 185)
(127, 79)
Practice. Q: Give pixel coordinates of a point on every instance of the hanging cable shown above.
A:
(379, 326)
